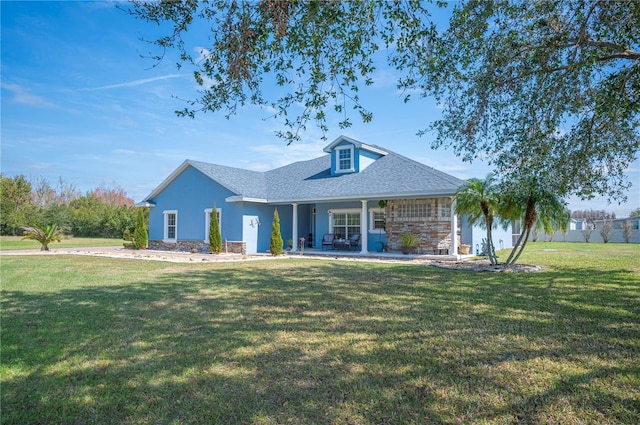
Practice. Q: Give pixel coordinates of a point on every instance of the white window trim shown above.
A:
(166, 226)
(352, 168)
(371, 221)
(207, 222)
(444, 204)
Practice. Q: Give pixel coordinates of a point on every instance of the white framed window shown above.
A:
(344, 159)
(344, 223)
(377, 220)
(445, 208)
(207, 222)
(170, 225)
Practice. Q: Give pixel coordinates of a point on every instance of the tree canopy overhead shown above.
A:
(534, 87)
(546, 88)
(320, 52)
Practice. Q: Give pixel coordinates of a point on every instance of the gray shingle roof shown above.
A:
(391, 176)
(247, 183)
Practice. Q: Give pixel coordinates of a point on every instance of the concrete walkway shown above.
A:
(187, 257)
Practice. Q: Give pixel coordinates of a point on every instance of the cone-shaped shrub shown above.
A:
(215, 238)
(140, 234)
(275, 247)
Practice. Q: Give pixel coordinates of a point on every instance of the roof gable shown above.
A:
(237, 180)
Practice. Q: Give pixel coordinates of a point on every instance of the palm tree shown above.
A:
(533, 201)
(45, 237)
(479, 201)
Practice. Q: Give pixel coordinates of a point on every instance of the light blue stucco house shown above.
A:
(339, 193)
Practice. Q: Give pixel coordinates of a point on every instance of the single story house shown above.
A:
(339, 193)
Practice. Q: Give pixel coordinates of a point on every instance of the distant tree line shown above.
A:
(592, 215)
(103, 212)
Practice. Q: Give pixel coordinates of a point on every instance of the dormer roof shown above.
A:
(372, 148)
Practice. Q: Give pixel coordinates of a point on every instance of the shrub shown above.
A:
(44, 236)
(140, 234)
(275, 246)
(408, 241)
(215, 238)
(627, 230)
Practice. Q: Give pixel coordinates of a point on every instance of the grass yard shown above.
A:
(103, 341)
(16, 242)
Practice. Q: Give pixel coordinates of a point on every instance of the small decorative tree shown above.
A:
(275, 246)
(586, 234)
(627, 230)
(44, 236)
(140, 234)
(215, 238)
(605, 230)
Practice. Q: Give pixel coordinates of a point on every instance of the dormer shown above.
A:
(350, 156)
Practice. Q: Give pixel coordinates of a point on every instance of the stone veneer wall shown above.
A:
(234, 247)
(433, 231)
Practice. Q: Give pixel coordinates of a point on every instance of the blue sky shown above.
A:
(79, 102)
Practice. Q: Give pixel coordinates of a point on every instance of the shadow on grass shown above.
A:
(327, 343)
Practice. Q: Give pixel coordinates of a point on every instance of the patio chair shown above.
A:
(353, 242)
(327, 240)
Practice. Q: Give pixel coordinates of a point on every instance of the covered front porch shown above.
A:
(376, 225)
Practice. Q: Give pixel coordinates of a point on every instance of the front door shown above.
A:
(250, 224)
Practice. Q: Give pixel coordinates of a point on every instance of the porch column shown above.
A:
(294, 233)
(454, 229)
(364, 228)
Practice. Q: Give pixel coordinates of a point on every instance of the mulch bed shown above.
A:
(485, 266)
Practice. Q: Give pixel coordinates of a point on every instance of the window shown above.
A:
(170, 226)
(207, 222)
(516, 227)
(344, 159)
(445, 208)
(414, 210)
(345, 224)
(377, 220)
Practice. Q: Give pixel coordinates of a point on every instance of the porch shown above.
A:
(383, 224)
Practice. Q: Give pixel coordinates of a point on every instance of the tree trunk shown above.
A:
(490, 252)
(522, 248)
(515, 248)
(530, 217)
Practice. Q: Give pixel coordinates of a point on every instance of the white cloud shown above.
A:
(22, 96)
(125, 151)
(136, 82)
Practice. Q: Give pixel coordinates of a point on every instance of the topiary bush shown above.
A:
(140, 234)
(275, 246)
(215, 238)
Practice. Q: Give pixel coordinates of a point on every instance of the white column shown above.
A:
(294, 233)
(364, 228)
(454, 229)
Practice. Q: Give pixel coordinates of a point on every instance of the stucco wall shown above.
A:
(190, 193)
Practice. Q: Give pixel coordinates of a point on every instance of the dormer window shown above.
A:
(344, 156)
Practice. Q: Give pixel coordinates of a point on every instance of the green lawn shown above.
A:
(16, 242)
(96, 340)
